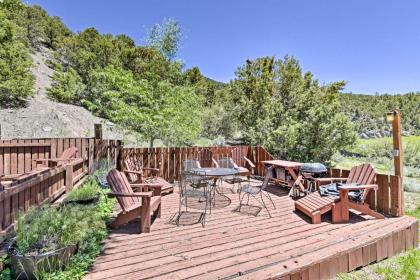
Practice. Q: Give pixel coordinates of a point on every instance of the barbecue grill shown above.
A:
(316, 170)
(310, 171)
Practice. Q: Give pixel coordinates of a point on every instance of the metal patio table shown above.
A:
(216, 173)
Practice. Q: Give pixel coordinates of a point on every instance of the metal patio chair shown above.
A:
(257, 192)
(194, 185)
(231, 179)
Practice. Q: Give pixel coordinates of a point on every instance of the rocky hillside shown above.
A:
(43, 117)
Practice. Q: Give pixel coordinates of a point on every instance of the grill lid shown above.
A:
(314, 168)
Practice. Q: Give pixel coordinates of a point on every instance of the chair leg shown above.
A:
(269, 197)
(316, 217)
(265, 206)
(159, 211)
(240, 200)
(145, 219)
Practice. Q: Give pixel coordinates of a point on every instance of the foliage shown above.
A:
(84, 225)
(16, 80)
(165, 37)
(89, 249)
(88, 190)
(368, 111)
(67, 86)
(382, 147)
(38, 28)
(50, 228)
(5, 274)
(158, 110)
(137, 87)
(287, 111)
(405, 266)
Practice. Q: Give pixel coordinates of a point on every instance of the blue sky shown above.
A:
(373, 45)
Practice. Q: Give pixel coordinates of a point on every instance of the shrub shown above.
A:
(88, 190)
(48, 228)
(45, 229)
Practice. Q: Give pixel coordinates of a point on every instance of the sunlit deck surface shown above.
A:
(239, 246)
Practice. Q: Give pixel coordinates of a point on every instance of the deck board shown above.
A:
(234, 245)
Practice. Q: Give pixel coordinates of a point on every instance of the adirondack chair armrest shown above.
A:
(249, 162)
(151, 169)
(215, 162)
(321, 180)
(138, 194)
(50, 159)
(361, 187)
(133, 172)
(154, 186)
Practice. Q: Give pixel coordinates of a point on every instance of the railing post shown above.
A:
(394, 117)
(69, 177)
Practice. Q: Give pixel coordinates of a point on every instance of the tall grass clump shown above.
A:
(47, 228)
(89, 190)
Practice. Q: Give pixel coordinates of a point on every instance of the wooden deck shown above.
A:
(238, 246)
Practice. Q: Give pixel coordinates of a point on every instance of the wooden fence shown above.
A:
(37, 186)
(169, 160)
(17, 155)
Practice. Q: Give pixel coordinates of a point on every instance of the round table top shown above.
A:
(216, 171)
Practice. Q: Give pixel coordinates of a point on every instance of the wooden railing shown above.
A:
(17, 155)
(36, 186)
(388, 199)
(169, 160)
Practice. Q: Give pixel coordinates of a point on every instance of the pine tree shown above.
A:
(16, 79)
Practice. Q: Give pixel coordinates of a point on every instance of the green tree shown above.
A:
(16, 79)
(165, 38)
(288, 112)
(54, 32)
(67, 87)
(156, 110)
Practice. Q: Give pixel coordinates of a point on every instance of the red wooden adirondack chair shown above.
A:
(135, 173)
(314, 205)
(245, 165)
(237, 161)
(134, 204)
(67, 155)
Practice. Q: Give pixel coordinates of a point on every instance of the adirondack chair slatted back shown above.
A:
(69, 153)
(205, 157)
(119, 184)
(363, 174)
(130, 164)
(237, 157)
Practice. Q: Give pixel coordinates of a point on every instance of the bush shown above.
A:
(90, 248)
(89, 190)
(48, 228)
